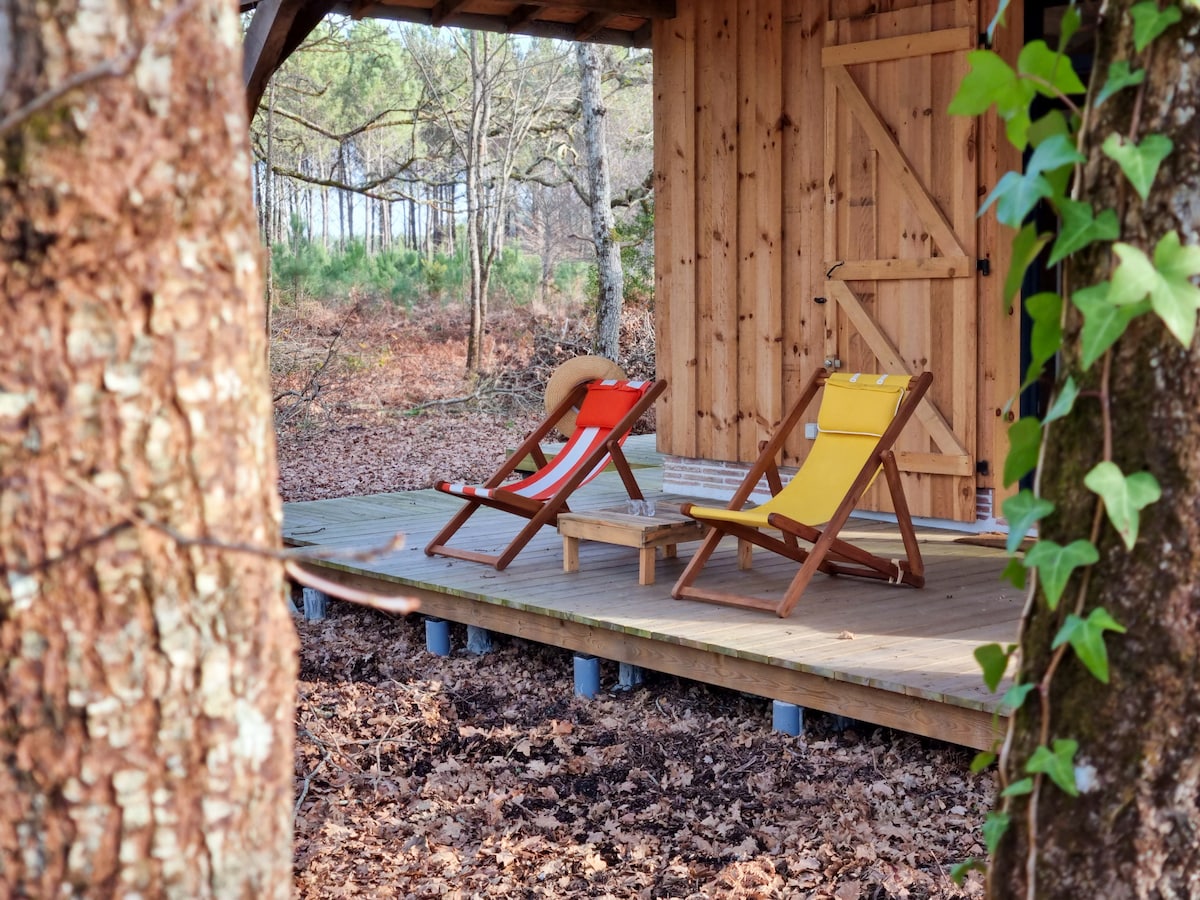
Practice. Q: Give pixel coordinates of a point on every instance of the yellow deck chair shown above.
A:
(860, 418)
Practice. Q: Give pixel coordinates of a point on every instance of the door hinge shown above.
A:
(832, 362)
(983, 267)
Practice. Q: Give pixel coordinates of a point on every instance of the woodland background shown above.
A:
(363, 144)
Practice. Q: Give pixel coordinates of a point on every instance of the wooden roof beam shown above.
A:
(276, 30)
(591, 24)
(522, 16)
(563, 31)
(653, 9)
(444, 10)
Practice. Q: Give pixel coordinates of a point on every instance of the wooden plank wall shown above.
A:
(999, 324)
(675, 238)
(903, 176)
(740, 171)
(720, 143)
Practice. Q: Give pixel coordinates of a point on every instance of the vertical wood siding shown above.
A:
(769, 169)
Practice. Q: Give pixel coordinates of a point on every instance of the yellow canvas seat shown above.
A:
(860, 418)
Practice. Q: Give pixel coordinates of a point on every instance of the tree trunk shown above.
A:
(1137, 833)
(541, 218)
(270, 200)
(608, 254)
(476, 159)
(146, 692)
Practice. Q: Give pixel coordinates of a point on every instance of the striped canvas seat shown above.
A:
(546, 482)
(608, 410)
(859, 420)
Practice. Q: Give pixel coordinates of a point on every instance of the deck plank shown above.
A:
(909, 664)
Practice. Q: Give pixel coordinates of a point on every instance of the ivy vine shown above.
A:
(1162, 284)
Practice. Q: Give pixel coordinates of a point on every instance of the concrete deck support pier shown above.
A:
(587, 676)
(437, 637)
(787, 717)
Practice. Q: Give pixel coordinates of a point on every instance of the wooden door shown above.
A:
(900, 239)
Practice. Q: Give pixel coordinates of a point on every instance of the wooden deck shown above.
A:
(896, 657)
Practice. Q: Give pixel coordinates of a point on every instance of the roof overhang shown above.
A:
(278, 27)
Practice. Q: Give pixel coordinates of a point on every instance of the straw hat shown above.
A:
(571, 373)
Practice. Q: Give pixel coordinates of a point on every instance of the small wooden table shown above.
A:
(666, 528)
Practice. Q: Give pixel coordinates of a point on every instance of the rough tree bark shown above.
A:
(1136, 834)
(476, 162)
(608, 254)
(147, 682)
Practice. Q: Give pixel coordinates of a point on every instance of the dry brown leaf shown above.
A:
(468, 777)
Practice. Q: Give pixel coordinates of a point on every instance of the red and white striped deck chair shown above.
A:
(608, 411)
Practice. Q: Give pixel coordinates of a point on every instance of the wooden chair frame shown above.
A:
(829, 554)
(544, 512)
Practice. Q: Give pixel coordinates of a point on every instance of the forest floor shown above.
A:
(478, 776)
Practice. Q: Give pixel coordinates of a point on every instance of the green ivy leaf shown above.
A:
(1168, 281)
(1014, 697)
(993, 81)
(1124, 497)
(1064, 401)
(1086, 637)
(1024, 442)
(1149, 22)
(1053, 153)
(990, 81)
(1119, 78)
(1103, 322)
(982, 760)
(1080, 227)
(1016, 128)
(1055, 564)
(993, 659)
(958, 871)
(995, 824)
(997, 19)
(1139, 162)
(1054, 73)
(1069, 26)
(1022, 510)
(1014, 574)
(1045, 339)
(1019, 192)
(1026, 246)
(1017, 195)
(1018, 788)
(1052, 123)
(1058, 765)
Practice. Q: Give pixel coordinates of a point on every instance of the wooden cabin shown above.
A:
(815, 205)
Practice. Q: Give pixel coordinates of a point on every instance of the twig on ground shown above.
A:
(307, 782)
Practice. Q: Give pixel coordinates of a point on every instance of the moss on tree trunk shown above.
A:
(1136, 831)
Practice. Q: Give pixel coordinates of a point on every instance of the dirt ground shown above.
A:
(481, 775)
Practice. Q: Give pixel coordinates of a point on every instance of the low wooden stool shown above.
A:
(666, 528)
